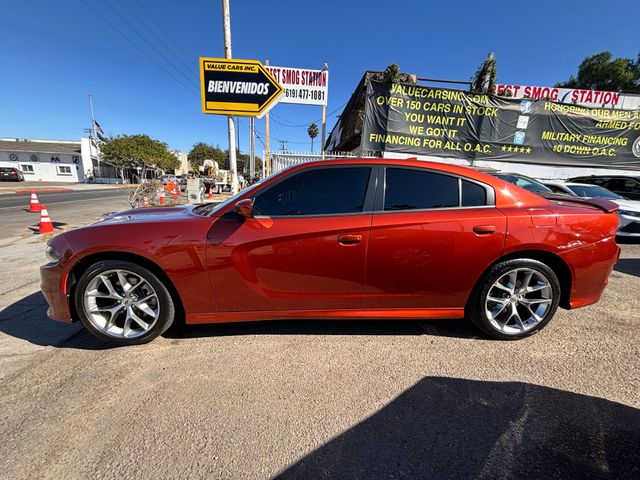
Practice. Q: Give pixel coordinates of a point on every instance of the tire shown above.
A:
(123, 303)
(506, 310)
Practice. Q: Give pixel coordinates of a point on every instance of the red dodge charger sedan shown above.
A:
(338, 239)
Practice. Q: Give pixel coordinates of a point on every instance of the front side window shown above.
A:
(410, 189)
(322, 191)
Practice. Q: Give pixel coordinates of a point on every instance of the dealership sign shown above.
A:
(577, 96)
(414, 119)
(237, 87)
(302, 85)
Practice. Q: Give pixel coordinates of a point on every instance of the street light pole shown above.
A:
(226, 21)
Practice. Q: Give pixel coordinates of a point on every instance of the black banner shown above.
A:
(453, 123)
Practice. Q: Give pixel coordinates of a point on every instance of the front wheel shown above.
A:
(515, 299)
(123, 303)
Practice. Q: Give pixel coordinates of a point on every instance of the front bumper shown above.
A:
(628, 226)
(54, 286)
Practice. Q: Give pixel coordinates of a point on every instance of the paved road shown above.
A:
(21, 200)
(65, 209)
(307, 400)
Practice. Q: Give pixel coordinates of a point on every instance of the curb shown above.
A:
(43, 190)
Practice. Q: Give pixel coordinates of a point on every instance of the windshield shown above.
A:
(526, 183)
(210, 208)
(590, 191)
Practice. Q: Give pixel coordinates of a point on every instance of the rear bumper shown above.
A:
(53, 288)
(590, 268)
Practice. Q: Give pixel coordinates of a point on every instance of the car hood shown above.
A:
(628, 204)
(144, 215)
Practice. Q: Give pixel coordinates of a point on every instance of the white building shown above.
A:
(49, 160)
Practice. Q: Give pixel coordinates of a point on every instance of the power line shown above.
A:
(153, 46)
(274, 117)
(188, 65)
(178, 48)
(123, 35)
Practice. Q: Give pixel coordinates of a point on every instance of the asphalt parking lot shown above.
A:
(321, 399)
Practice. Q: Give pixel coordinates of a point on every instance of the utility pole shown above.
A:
(324, 117)
(266, 146)
(252, 150)
(226, 22)
(92, 133)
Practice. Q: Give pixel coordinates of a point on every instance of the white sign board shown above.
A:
(577, 96)
(302, 85)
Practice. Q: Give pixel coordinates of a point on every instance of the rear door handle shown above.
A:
(349, 239)
(484, 229)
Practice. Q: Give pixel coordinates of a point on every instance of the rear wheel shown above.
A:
(515, 299)
(123, 303)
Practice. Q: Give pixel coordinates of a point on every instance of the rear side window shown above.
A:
(316, 192)
(473, 195)
(408, 189)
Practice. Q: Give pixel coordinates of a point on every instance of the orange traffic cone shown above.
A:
(174, 194)
(210, 194)
(34, 205)
(145, 201)
(161, 196)
(45, 222)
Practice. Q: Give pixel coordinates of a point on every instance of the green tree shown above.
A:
(486, 75)
(602, 72)
(202, 151)
(313, 133)
(137, 151)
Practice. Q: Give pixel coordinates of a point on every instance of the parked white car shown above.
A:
(628, 214)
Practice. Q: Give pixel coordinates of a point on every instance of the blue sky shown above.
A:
(53, 53)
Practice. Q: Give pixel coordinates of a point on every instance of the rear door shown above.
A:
(432, 236)
(304, 248)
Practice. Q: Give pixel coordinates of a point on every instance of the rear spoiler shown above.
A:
(606, 206)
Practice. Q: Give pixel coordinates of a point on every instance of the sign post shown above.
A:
(304, 86)
(226, 23)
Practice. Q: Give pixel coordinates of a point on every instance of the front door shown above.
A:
(304, 248)
(431, 238)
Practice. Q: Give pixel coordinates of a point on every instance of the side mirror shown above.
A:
(245, 207)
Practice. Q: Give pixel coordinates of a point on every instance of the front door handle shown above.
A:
(484, 229)
(349, 239)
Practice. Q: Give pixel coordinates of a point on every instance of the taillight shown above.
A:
(13, 172)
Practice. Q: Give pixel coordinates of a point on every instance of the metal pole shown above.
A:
(324, 128)
(267, 144)
(226, 21)
(323, 136)
(252, 152)
(92, 133)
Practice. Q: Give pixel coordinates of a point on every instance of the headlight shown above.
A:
(628, 213)
(52, 254)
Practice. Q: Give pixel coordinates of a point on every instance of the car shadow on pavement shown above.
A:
(27, 319)
(457, 428)
(447, 328)
(630, 266)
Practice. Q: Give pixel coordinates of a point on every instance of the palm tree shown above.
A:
(313, 133)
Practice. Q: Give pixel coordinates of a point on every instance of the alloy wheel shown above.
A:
(518, 301)
(122, 304)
